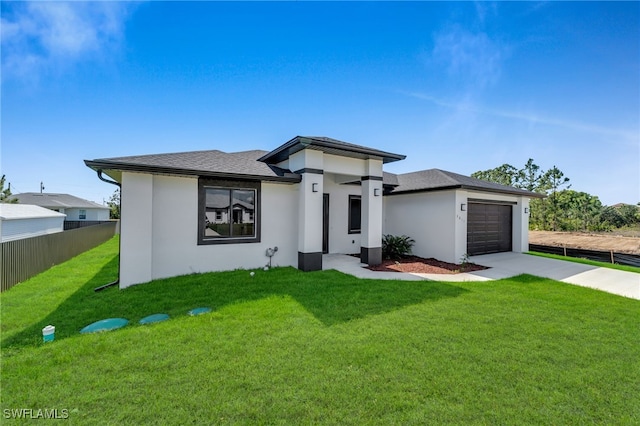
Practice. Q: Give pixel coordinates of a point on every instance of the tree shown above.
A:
(554, 179)
(504, 175)
(114, 204)
(5, 194)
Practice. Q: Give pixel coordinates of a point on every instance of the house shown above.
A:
(75, 208)
(18, 221)
(211, 210)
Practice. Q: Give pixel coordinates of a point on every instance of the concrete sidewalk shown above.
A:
(505, 265)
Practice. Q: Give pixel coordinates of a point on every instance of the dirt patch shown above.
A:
(419, 265)
(589, 241)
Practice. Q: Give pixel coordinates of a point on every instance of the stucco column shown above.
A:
(520, 238)
(371, 226)
(136, 228)
(309, 163)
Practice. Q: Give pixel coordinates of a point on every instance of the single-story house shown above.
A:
(74, 207)
(211, 210)
(18, 221)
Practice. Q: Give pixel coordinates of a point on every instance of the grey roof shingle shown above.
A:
(329, 146)
(436, 179)
(200, 163)
(56, 201)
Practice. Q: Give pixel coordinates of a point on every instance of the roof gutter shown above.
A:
(117, 281)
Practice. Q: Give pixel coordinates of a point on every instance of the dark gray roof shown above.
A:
(56, 201)
(329, 146)
(390, 179)
(437, 180)
(211, 163)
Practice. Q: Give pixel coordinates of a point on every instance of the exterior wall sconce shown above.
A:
(463, 207)
(376, 192)
(526, 210)
(314, 187)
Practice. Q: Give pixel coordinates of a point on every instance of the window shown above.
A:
(355, 216)
(82, 215)
(228, 212)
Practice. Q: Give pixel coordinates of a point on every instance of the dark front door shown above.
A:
(325, 223)
(489, 228)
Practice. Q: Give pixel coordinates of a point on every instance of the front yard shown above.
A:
(287, 347)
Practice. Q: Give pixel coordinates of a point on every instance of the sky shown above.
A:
(459, 86)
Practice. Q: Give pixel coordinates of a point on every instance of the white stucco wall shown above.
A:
(429, 218)
(340, 241)
(160, 230)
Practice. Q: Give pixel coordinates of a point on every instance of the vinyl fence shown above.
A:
(22, 259)
(601, 256)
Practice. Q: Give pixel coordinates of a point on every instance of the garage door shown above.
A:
(488, 228)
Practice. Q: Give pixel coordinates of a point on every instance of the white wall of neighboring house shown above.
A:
(91, 214)
(160, 230)
(26, 221)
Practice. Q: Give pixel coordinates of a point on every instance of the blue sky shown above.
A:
(460, 86)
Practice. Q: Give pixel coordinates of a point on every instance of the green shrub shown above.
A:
(396, 247)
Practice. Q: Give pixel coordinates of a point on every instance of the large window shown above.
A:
(355, 214)
(82, 215)
(228, 212)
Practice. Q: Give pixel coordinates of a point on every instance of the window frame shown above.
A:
(82, 214)
(246, 185)
(349, 229)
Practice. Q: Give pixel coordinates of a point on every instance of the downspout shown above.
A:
(117, 281)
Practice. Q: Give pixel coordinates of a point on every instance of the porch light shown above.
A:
(314, 187)
(526, 210)
(376, 192)
(463, 207)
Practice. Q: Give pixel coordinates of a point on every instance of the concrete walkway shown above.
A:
(504, 265)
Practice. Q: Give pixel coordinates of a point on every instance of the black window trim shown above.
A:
(203, 184)
(354, 231)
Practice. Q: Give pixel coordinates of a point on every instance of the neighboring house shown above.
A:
(210, 210)
(18, 221)
(75, 208)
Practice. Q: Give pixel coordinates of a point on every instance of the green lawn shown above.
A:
(587, 262)
(287, 347)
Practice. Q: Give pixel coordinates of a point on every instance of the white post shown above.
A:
(309, 163)
(371, 234)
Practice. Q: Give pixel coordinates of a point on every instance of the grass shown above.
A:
(587, 262)
(287, 347)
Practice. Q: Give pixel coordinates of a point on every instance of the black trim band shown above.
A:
(309, 170)
(310, 261)
(379, 178)
(371, 256)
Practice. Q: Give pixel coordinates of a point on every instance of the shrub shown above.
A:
(396, 247)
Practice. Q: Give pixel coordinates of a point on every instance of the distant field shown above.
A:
(622, 241)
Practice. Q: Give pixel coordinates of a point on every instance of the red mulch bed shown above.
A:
(421, 265)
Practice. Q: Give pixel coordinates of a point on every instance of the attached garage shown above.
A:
(489, 228)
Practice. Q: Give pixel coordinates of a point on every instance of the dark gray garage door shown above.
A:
(488, 228)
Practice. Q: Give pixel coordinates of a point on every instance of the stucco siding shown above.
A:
(429, 218)
(340, 241)
(171, 221)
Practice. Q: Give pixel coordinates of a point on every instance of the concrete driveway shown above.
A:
(505, 265)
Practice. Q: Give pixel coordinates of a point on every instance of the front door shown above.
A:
(325, 223)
